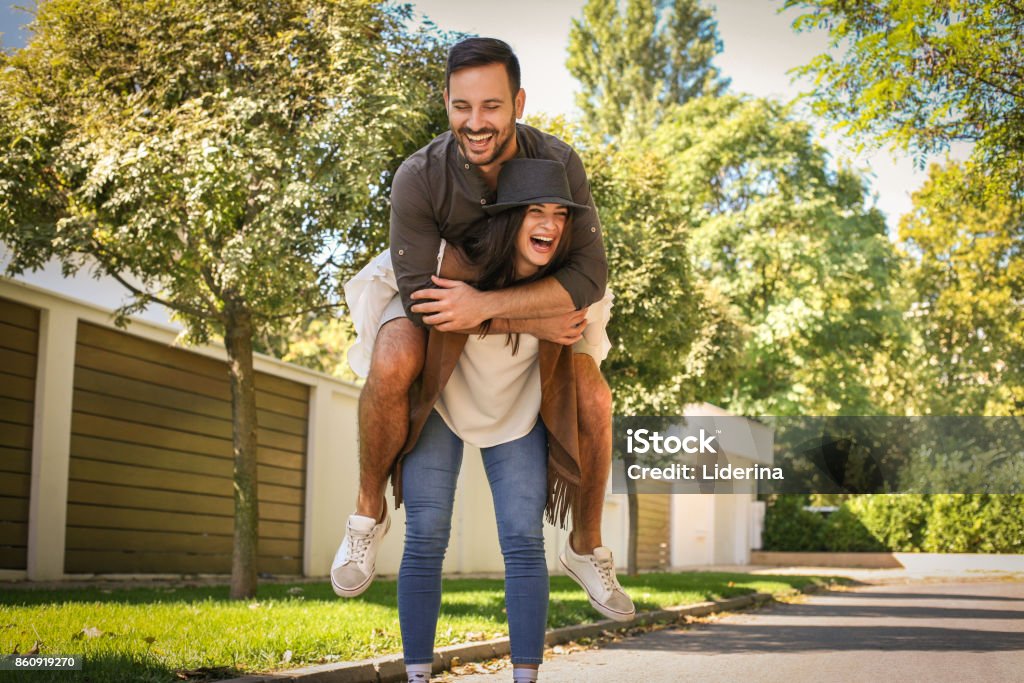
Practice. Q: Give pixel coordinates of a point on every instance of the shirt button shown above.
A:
(483, 201)
(467, 167)
(401, 252)
(593, 229)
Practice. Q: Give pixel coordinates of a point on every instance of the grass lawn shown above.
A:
(152, 634)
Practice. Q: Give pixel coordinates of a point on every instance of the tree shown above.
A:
(207, 154)
(923, 75)
(633, 65)
(657, 315)
(965, 267)
(787, 240)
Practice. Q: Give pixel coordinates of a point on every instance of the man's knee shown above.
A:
(398, 355)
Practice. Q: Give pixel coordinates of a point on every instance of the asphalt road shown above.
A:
(961, 633)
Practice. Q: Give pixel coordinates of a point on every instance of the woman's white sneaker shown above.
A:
(596, 575)
(355, 563)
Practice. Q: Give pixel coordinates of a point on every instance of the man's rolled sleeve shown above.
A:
(415, 239)
(585, 274)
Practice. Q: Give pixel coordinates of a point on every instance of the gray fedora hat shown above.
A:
(522, 182)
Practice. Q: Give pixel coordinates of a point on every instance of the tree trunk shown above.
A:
(633, 506)
(238, 340)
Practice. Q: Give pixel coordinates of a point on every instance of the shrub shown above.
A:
(1002, 523)
(845, 532)
(956, 523)
(936, 523)
(787, 526)
(896, 521)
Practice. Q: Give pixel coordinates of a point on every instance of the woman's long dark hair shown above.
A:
(493, 251)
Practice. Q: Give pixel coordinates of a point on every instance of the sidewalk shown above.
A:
(913, 574)
(953, 632)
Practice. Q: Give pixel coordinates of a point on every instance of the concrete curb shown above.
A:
(390, 668)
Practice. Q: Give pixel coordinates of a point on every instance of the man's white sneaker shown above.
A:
(596, 575)
(355, 564)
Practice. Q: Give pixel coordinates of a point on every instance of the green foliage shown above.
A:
(976, 524)
(1003, 522)
(788, 243)
(214, 156)
(634, 63)
(651, 279)
(845, 532)
(656, 299)
(317, 343)
(923, 75)
(787, 526)
(898, 522)
(955, 524)
(965, 266)
(940, 523)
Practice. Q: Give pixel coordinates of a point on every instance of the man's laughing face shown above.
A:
(482, 113)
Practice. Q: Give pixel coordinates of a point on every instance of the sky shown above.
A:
(760, 48)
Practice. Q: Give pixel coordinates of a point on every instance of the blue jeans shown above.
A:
(517, 472)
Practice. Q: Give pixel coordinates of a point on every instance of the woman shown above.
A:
(486, 390)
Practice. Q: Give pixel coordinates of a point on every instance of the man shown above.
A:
(440, 192)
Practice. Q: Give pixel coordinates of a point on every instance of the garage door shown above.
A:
(150, 487)
(19, 342)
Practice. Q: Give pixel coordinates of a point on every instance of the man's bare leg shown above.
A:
(594, 401)
(397, 360)
(585, 558)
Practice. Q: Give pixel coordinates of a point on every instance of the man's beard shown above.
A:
(502, 146)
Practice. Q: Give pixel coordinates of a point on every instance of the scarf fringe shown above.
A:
(563, 497)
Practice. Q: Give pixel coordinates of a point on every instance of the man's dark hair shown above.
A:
(481, 52)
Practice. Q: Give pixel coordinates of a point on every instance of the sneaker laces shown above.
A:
(359, 543)
(606, 570)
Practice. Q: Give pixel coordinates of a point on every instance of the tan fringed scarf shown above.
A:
(557, 410)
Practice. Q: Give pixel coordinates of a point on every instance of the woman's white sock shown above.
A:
(523, 675)
(418, 673)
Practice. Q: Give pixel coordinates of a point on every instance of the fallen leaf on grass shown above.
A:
(34, 650)
(287, 656)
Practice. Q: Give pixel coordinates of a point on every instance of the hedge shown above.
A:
(938, 523)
